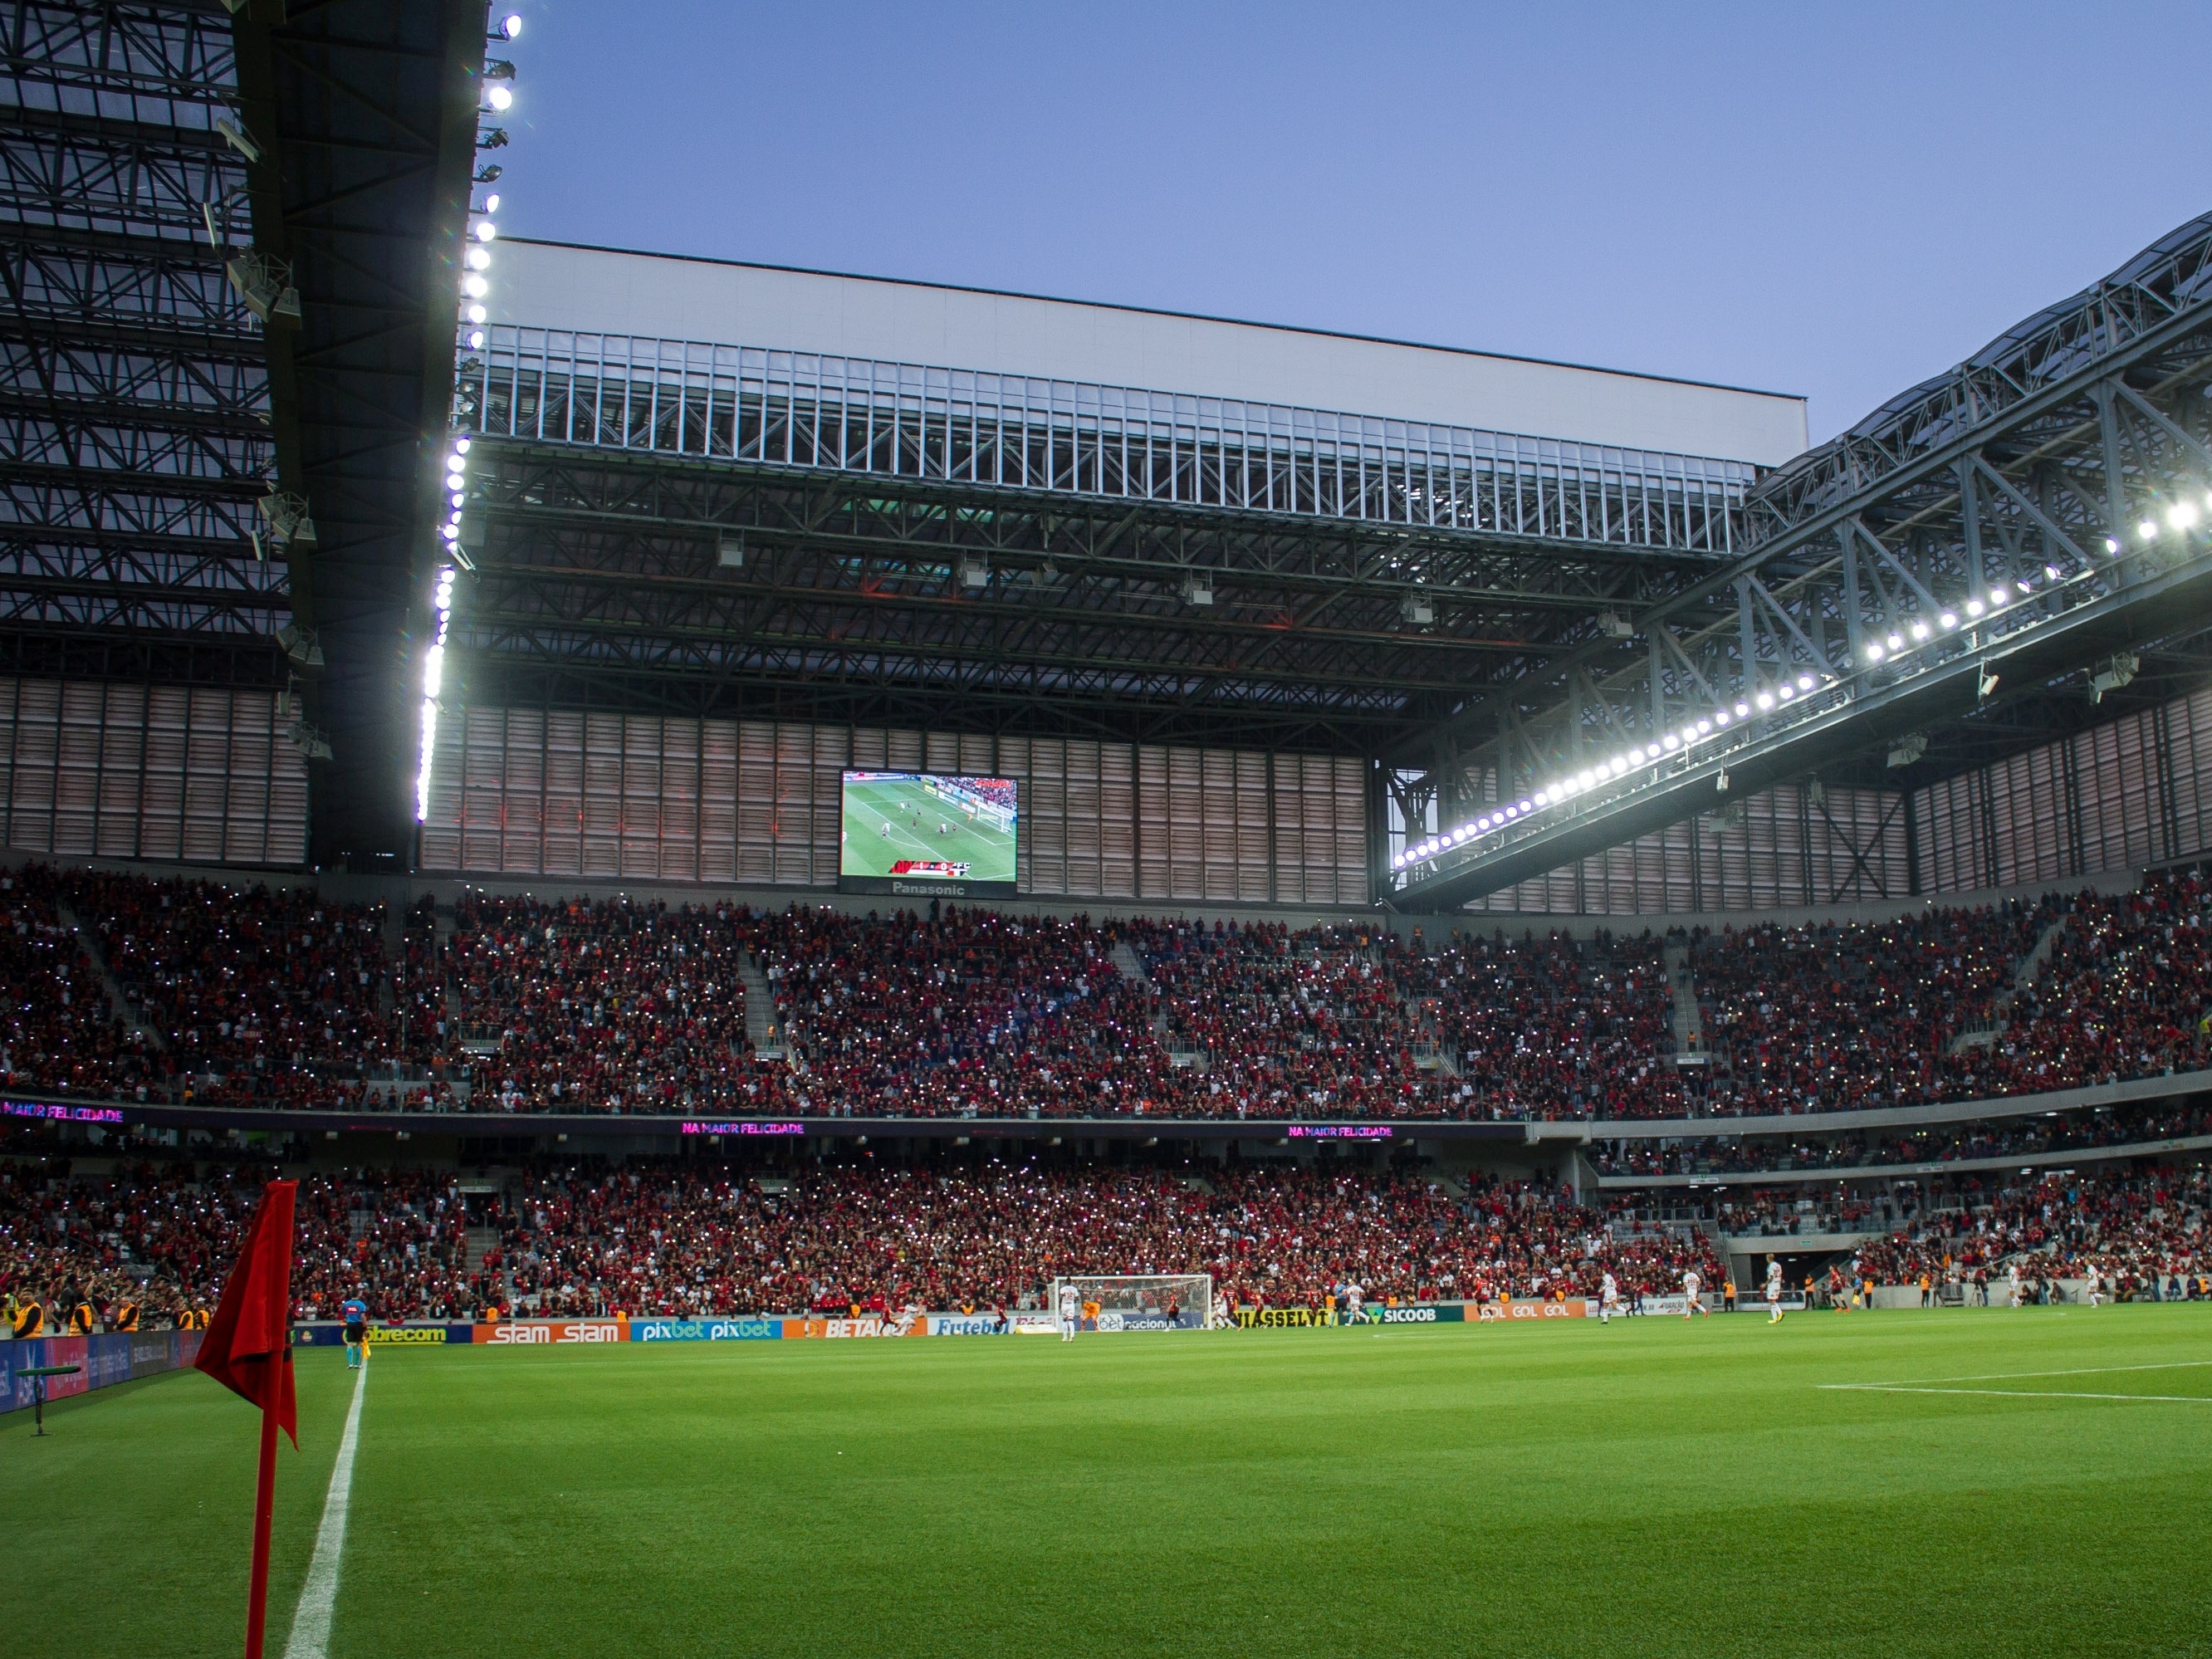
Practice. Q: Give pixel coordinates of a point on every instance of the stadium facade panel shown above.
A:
(555, 286)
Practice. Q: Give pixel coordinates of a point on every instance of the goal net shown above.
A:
(1145, 1302)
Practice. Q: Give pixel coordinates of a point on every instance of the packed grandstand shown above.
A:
(135, 988)
(495, 1008)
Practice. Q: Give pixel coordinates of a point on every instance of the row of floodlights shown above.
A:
(434, 675)
(475, 288)
(1687, 737)
(2179, 518)
(499, 98)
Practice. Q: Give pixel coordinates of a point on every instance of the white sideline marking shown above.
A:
(311, 1623)
(2022, 1377)
(2009, 1394)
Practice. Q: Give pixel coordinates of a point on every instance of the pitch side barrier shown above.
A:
(780, 1327)
(102, 1361)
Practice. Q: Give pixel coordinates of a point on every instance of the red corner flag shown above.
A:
(248, 1349)
(249, 1345)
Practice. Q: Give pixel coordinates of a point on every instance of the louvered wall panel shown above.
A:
(564, 792)
(718, 801)
(117, 770)
(522, 801)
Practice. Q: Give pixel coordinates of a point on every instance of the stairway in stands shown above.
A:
(119, 1007)
(760, 1010)
(1689, 1018)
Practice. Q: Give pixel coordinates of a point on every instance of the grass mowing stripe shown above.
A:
(311, 1623)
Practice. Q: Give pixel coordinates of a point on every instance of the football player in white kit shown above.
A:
(1351, 1296)
(1690, 1285)
(1070, 1311)
(2093, 1288)
(1608, 1299)
(2012, 1274)
(1773, 1292)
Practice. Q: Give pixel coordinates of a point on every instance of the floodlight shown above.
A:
(1744, 711)
(1766, 701)
(478, 313)
(1786, 693)
(1920, 630)
(491, 202)
(1874, 651)
(510, 26)
(1948, 619)
(499, 98)
(2181, 515)
(1720, 717)
(1671, 743)
(2146, 528)
(1975, 607)
(1804, 682)
(474, 286)
(2112, 544)
(478, 258)
(476, 340)
(485, 231)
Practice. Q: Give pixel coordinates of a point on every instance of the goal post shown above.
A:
(1144, 1302)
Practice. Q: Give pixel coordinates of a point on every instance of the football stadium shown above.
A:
(1462, 1004)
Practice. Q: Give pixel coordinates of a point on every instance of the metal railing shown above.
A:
(890, 420)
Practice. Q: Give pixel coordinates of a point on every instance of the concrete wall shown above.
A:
(548, 285)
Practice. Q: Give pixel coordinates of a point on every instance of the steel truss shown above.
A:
(710, 584)
(135, 433)
(892, 421)
(2009, 523)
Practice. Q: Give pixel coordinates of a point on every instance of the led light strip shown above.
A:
(475, 288)
(1899, 649)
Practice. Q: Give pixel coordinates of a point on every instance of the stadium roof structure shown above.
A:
(1967, 571)
(230, 235)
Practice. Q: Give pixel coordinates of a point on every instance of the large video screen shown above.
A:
(927, 836)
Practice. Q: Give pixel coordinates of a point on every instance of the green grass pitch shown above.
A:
(911, 815)
(1648, 1489)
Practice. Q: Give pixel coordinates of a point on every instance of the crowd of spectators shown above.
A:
(609, 1006)
(162, 1236)
(689, 1241)
(2135, 1232)
(969, 1013)
(656, 1237)
(59, 1035)
(2080, 1129)
(271, 995)
(251, 995)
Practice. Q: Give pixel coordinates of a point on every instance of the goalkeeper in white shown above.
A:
(1071, 1312)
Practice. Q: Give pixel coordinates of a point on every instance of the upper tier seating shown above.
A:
(274, 996)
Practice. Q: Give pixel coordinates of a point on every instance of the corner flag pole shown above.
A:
(248, 1349)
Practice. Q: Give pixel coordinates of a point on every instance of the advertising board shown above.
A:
(531, 1332)
(1495, 1312)
(705, 1330)
(102, 1360)
(796, 1329)
(1419, 1313)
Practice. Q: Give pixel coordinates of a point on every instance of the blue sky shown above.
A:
(1834, 200)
